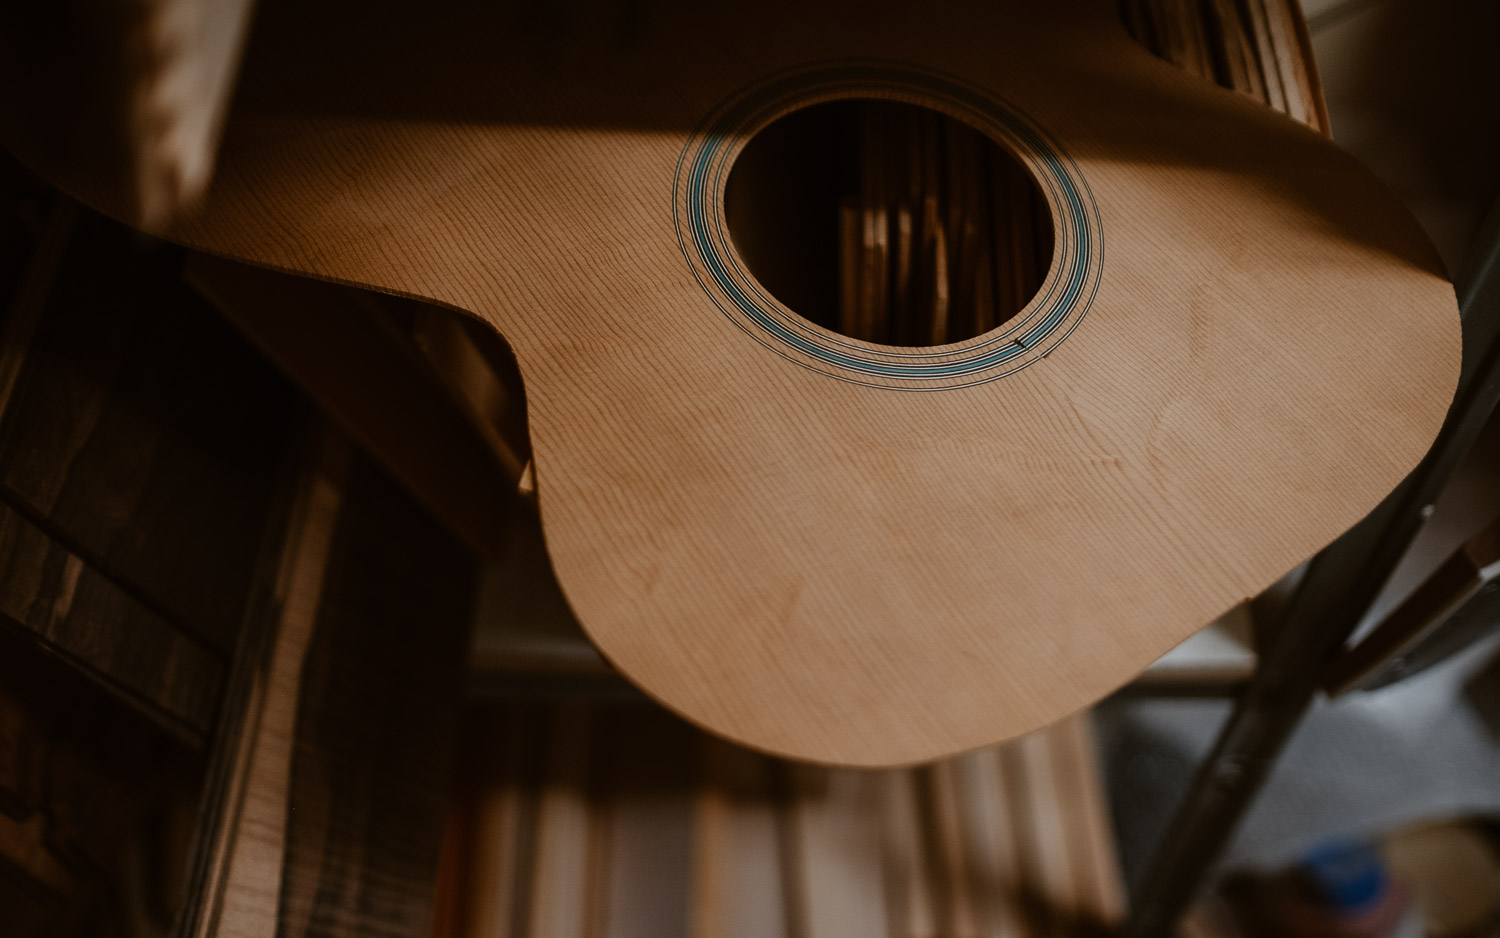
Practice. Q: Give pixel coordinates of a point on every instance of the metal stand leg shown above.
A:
(1339, 586)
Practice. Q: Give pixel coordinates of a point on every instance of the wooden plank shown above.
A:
(226, 772)
(246, 889)
(834, 874)
(144, 433)
(1267, 56)
(949, 848)
(738, 889)
(1010, 842)
(486, 876)
(1307, 64)
(376, 717)
(1227, 30)
(1285, 55)
(1199, 58)
(990, 842)
(1294, 63)
(491, 870)
(325, 807)
(84, 782)
(851, 233)
(1049, 884)
(931, 301)
(561, 903)
(379, 389)
(911, 898)
(58, 599)
(646, 793)
(1090, 839)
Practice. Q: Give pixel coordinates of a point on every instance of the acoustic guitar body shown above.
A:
(822, 547)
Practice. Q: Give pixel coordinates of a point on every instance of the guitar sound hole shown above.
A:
(889, 222)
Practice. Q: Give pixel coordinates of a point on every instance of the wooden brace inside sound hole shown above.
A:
(889, 222)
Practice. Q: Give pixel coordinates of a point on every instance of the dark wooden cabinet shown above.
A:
(159, 478)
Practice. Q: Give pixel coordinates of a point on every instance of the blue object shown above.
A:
(1348, 876)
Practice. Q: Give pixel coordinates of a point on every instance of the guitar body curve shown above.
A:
(821, 547)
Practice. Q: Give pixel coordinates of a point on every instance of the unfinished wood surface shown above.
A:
(645, 782)
(821, 568)
(1258, 47)
(1091, 841)
(479, 875)
(737, 887)
(324, 810)
(560, 897)
(907, 878)
(375, 718)
(990, 847)
(833, 851)
(769, 849)
(246, 901)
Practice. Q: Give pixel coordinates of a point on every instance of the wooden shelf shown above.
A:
(575, 819)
